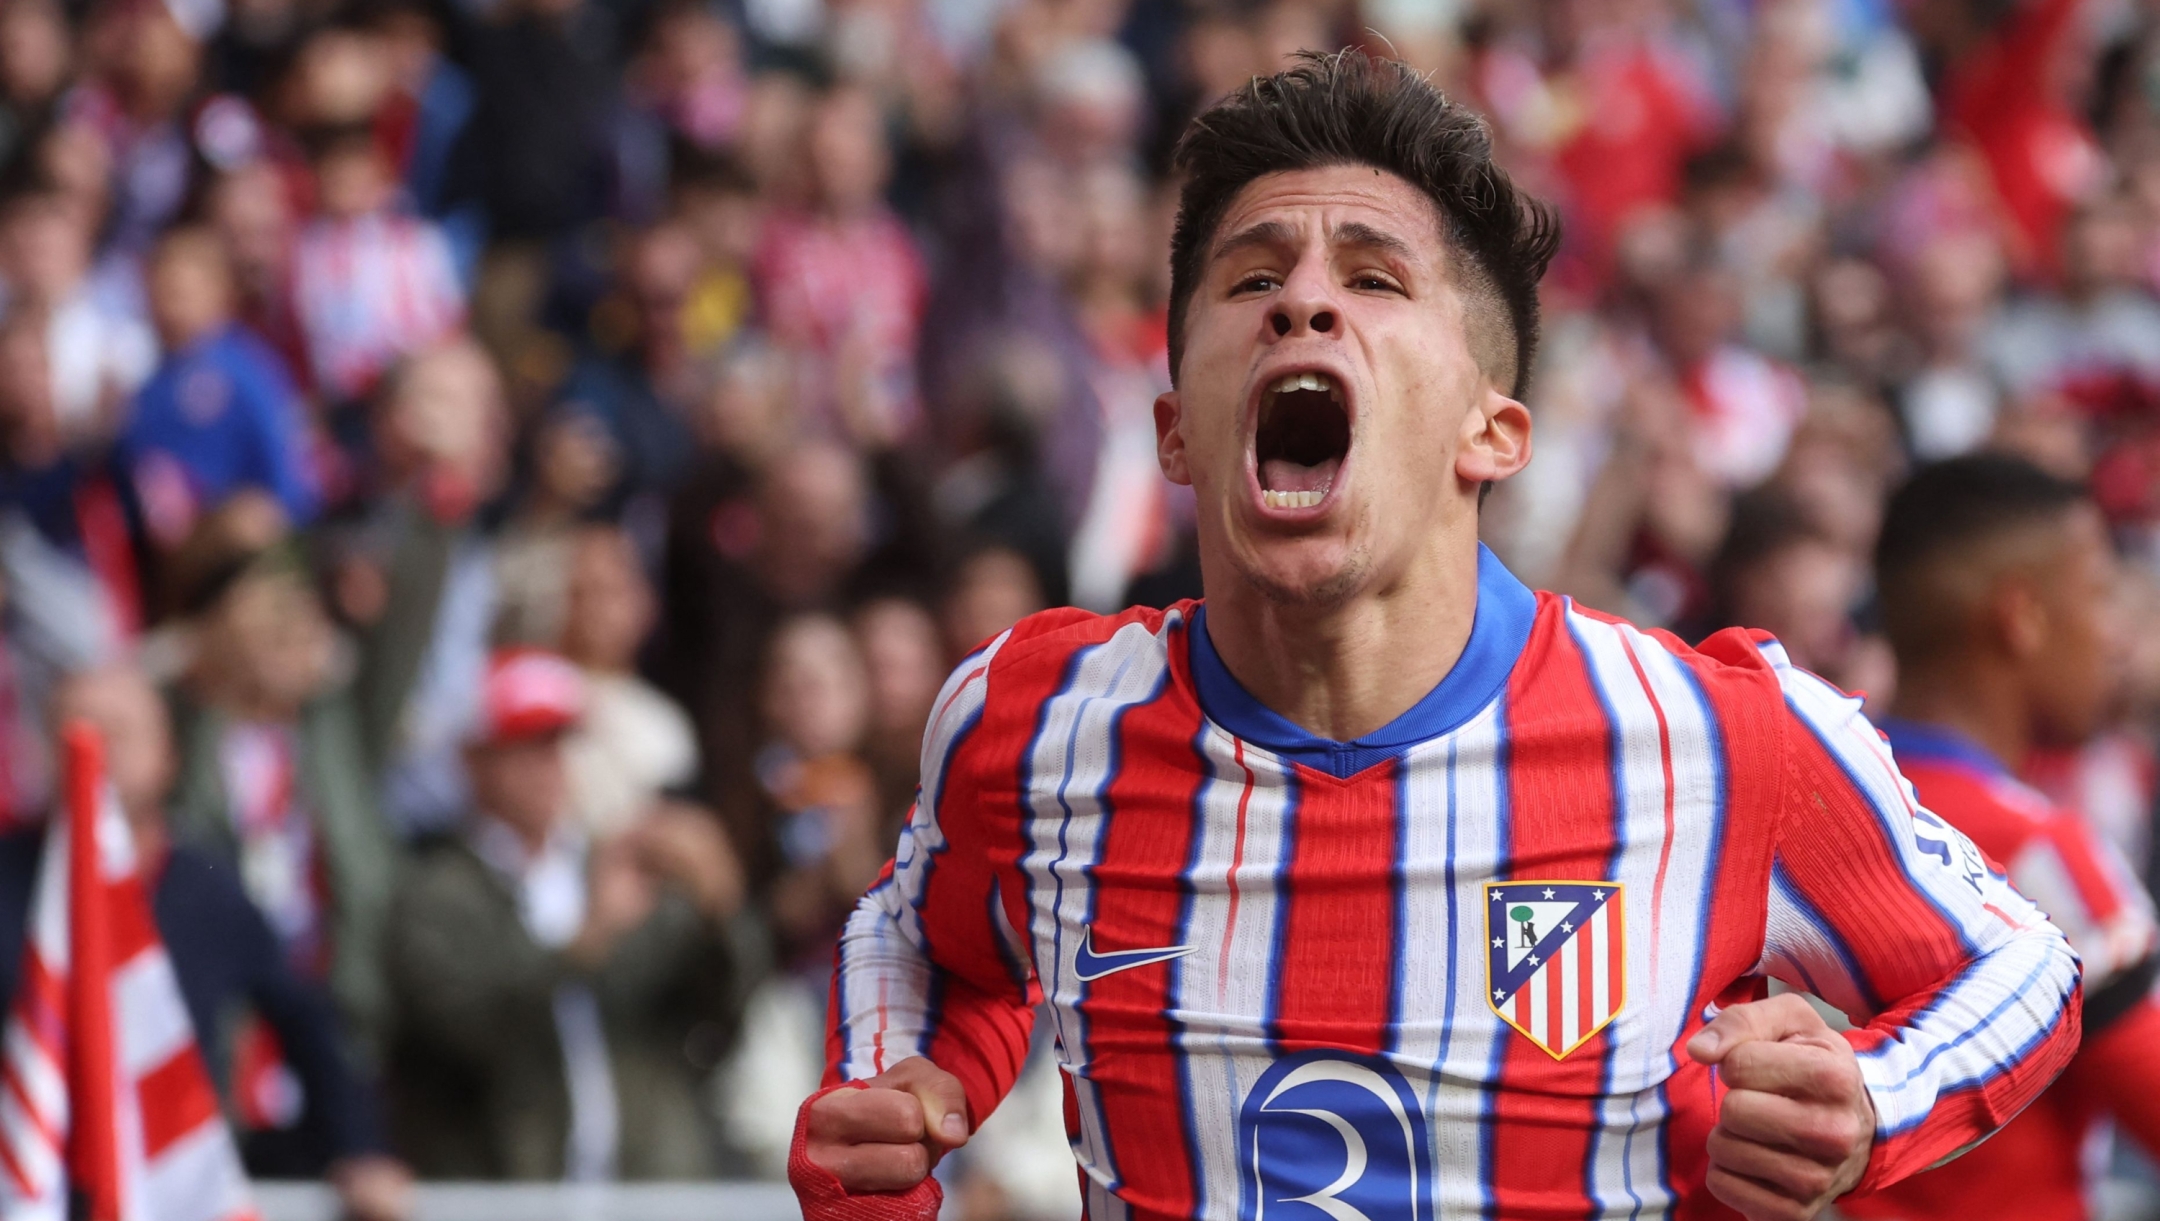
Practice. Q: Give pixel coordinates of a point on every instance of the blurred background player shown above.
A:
(2001, 596)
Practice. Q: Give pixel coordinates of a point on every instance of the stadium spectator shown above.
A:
(370, 285)
(274, 776)
(634, 746)
(231, 969)
(420, 577)
(220, 413)
(97, 352)
(823, 796)
(550, 983)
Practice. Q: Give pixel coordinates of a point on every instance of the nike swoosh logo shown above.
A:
(1090, 966)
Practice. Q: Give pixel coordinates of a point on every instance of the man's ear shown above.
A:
(1169, 441)
(2021, 616)
(1495, 439)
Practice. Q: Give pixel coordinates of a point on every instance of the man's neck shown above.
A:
(1342, 672)
(530, 840)
(1972, 701)
(180, 339)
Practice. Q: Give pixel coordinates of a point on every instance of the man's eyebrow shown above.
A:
(1358, 233)
(1266, 233)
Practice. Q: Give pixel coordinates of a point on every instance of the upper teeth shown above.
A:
(1303, 381)
(1293, 500)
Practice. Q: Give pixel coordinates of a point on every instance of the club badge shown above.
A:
(1556, 959)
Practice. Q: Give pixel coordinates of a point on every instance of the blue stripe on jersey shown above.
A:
(1616, 764)
(1174, 997)
(1111, 765)
(933, 1012)
(1720, 787)
(1882, 816)
(1809, 912)
(1503, 866)
(1285, 899)
(1027, 815)
(1995, 1067)
(994, 913)
(1399, 907)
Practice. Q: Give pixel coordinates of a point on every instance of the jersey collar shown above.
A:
(1920, 742)
(1498, 632)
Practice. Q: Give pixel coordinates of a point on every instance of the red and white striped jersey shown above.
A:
(1445, 970)
(2037, 1168)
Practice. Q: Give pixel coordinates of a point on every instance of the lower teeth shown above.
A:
(1293, 500)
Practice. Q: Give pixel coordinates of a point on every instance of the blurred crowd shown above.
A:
(510, 476)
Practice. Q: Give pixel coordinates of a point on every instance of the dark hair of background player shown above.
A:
(1349, 109)
(1943, 514)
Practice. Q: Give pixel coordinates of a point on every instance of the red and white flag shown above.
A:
(106, 1111)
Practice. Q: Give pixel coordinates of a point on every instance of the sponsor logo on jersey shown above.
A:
(1555, 961)
(1331, 1135)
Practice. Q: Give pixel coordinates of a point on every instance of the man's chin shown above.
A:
(1293, 575)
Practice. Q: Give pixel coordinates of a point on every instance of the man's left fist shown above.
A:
(1796, 1125)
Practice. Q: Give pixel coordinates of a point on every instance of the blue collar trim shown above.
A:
(1500, 629)
(1917, 740)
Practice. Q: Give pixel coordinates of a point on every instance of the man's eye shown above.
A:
(1257, 284)
(1380, 284)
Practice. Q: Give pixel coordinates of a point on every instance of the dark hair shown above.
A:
(1766, 523)
(1350, 109)
(1946, 510)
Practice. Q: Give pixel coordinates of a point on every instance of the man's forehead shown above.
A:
(1334, 199)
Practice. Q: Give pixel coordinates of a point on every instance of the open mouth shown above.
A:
(1302, 439)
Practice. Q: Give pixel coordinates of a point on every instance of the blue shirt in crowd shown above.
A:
(225, 413)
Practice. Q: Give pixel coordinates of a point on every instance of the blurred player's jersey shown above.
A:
(1445, 970)
(2037, 1168)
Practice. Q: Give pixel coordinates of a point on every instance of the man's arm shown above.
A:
(1968, 999)
(2093, 895)
(932, 999)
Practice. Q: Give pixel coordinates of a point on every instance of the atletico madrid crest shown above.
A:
(1555, 959)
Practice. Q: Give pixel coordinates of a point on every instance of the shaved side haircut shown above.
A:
(1950, 532)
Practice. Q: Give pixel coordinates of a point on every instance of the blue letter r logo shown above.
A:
(1333, 1136)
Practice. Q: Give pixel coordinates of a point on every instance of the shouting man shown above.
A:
(1274, 858)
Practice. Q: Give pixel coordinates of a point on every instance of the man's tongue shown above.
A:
(1283, 475)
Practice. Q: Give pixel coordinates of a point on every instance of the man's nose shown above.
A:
(1306, 304)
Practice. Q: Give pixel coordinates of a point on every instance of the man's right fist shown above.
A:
(883, 1135)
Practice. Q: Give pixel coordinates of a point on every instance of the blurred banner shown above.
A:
(106, 1111)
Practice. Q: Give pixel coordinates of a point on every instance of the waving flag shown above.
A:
(106, 1111)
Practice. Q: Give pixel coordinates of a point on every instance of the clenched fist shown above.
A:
(867, 1150)
(1796, 1125)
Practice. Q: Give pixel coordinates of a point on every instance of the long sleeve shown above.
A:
(929, 964)
(1968, 999)
(307, 1031)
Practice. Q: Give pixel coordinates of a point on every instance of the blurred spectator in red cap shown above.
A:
(561, 997)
